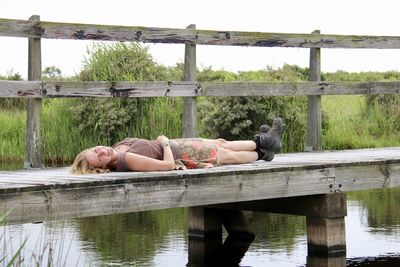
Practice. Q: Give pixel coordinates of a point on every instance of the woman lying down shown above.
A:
(134, 154)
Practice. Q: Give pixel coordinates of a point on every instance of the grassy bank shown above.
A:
(346, 128)
(62, 140)
(349, 128)
(70, 125)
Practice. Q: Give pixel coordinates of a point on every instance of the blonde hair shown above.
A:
(82, 166)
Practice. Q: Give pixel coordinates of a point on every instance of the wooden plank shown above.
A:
(33, 89)
(300, 88)
(367, 177)
(20, 89)
(189, 127)
(33, 150)
(58, 30)
(314, 113)
(288, 175)
(120, 89)
(324, 206)
(184, 192)
(19, 28)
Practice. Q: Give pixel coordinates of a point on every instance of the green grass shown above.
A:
(12, 135)
(349, 128)
(62, 140)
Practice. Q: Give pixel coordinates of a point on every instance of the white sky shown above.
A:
(358, 17)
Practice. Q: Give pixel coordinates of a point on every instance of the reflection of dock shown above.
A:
(312, 184)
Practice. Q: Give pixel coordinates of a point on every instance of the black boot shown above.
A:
(257, 139)
(271, 141)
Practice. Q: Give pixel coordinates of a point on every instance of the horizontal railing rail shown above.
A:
(54, 89)
(76, 31)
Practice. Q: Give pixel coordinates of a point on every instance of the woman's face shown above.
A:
(100, 156)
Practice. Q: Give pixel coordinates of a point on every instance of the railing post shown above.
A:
(33, 155)
(190, 103)
(314, 124)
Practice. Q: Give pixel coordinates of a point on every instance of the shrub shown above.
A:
(241, 117)
(112, 119)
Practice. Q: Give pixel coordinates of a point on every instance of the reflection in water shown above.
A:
(159, 238)
(132, 238)
(332, 261)
(228, 254)
(389, 261)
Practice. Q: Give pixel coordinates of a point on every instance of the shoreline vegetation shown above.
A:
(70, 125)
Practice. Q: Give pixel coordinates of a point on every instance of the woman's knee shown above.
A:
(222, 142)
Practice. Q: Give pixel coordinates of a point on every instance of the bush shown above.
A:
(240, 117)
(112, 119)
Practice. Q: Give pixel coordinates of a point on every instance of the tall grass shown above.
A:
(348, 127)
(62, 140)
(348, 121)
(12, 135)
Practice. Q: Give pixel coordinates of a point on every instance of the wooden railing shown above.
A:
(190, 89)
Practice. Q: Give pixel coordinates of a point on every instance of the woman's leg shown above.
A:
(245, 145)
(227, 156)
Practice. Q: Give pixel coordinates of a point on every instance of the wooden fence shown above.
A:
(190, 89)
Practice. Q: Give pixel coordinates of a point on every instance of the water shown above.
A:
(159, 238)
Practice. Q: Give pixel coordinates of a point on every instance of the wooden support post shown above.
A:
(324, 205)
(324, 217)
(190, 103)
(314, 124)
(326, 230)
(326, 236)
(325, 261)
(33, 155)
(205, 236)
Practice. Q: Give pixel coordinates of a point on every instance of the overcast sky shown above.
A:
(358, 17)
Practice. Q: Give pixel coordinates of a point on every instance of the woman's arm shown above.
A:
(138, 162)
(167, 156)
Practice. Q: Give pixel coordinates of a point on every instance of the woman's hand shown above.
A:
(162, 138)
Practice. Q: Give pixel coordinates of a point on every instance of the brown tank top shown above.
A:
(142, 147)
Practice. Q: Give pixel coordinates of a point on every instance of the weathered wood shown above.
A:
(58, 30)
(21, 89)
(35, 89)
(288, 175)
(326, 235)
(327, 205)
(33, 154)
(300, 88)
(189, 128)
(367, 177)
(314, 123)
(120, 89)
(204, 236)
(326, 261)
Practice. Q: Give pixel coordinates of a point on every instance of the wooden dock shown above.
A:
(311, 184)
(43, 194)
